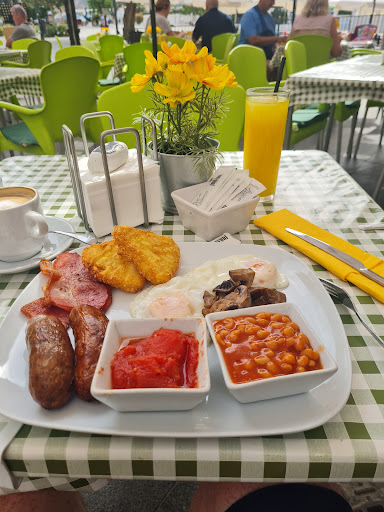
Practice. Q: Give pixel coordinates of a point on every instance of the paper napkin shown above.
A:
(276, 223)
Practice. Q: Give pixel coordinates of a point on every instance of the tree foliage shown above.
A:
(280, 15)
(99, 5)
(190, 9)
(43, 7)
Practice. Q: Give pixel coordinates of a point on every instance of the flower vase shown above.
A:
(180, 171)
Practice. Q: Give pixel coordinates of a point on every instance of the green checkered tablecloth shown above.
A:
(348, 447)
(352, 79)
(118, 65)
(20, 56)
(16, 81)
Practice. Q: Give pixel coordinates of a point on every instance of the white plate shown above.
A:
(54, 245)
(220, 415)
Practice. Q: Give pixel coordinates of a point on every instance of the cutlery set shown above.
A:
(336, 292)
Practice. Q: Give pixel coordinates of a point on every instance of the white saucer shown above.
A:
(54, 245)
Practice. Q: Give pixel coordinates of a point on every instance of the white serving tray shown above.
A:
(220, 415)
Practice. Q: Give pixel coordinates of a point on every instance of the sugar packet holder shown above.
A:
(226, 187)
(69, 145)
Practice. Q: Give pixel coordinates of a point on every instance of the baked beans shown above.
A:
(263, 346)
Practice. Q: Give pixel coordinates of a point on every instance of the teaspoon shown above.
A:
(87, 239)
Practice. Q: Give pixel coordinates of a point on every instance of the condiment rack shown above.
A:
(69, 145)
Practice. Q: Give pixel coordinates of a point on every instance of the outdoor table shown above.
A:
(17, 81)
(350, 447)
(348, 80)
(20, 56)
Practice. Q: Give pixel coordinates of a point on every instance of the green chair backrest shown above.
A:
(236, 41)
(144, 38)
(220, 47)
(135, 59)
(39, 54)
(22, 44)
(74, 51)
(93, 37)
(109, 46)
(318, 48)
(296, 57)
(124, 106)
(69, 90)
(176, 40)
(59, 42)
(231, 127)
(93, 46)
(249, 66)
(1, 42)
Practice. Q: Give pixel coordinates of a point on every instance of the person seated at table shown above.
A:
(212, 23)
(257, 28)
(315, 19)
(163, 8)
(23, 30)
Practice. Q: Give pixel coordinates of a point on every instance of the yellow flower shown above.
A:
(179, 88)
(149, 30)
(138, 82)
(184, 55)
(205, 72)
(162, 60)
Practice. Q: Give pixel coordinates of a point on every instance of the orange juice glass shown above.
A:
(265, 120)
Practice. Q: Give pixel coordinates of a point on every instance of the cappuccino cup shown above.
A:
(23, 227)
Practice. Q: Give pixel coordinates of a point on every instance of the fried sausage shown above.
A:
(89, 325)
(51, 361)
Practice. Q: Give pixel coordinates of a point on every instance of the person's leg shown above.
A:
(43, 501)
(218, 496)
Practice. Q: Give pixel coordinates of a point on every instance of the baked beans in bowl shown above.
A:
(268, 352)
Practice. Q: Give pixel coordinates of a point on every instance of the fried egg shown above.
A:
(183, 295)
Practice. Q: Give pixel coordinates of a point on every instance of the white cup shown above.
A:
(23, 228)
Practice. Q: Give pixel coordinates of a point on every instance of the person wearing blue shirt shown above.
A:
(258, 28)
(212, 23)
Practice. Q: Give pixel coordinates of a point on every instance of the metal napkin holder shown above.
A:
(69, 145)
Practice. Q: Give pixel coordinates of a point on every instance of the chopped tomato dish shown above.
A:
(167, 359)
(264, 345)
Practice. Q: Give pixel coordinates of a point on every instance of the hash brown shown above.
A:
(156, 257)
(107, 264)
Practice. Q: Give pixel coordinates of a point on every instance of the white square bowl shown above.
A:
(210, 225)
(150, 399)
(278, 386)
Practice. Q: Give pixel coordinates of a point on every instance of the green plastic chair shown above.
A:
(39, 55)
(318, 48)
(74, 51)
(59, 42)
(1, 42)
(249, 66)
(22, 44)
(296, 55)
(92, 37)
(176, 40)
(109, 47)
(230, 129)
(69, 91)
(125, 106)
(144, 38)
(222, 44)
(363, 51)
(93, 46)
(135, 58)
(311, 119)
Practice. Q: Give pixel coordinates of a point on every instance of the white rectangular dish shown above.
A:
(150, 399)
(275, 387)
(219, 415)
(210, 225)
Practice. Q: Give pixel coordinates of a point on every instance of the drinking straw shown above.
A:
(279, 74)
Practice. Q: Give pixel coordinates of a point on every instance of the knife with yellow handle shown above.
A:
(340, 255)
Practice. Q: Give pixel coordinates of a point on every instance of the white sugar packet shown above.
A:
(251, 191)
(214, 184)
(238, 181)
(226, 237)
